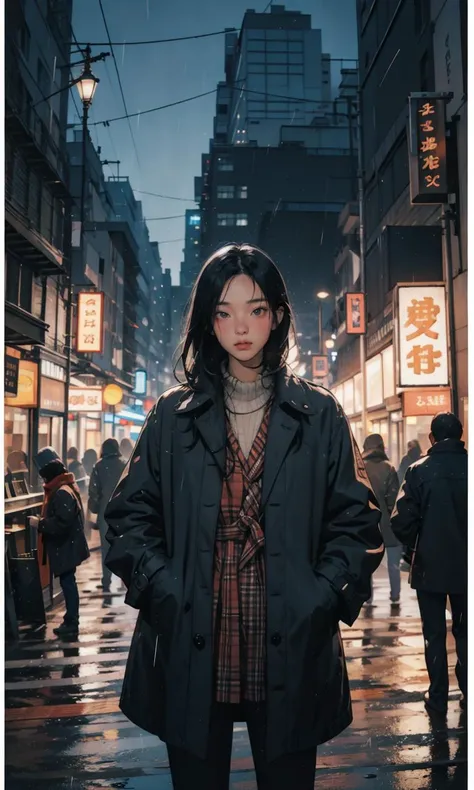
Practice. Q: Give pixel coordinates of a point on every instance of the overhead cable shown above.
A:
(157, 40)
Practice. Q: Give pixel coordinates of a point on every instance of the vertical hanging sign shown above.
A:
(90, 322)
(427, 148)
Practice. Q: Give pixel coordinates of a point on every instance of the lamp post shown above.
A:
(321, 296)
(86, 86)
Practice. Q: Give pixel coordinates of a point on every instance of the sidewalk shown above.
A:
(64, 730)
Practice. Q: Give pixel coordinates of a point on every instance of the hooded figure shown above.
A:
(413, 454)
(384, 480)
(104, 478)
(62, 527)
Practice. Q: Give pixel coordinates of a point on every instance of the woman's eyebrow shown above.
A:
(250, 301)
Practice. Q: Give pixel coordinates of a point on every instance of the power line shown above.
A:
(155, 219)
(158, 40)
(119, 82)
(171, 241)
(153, 109)
(166, 197)
(294, 99)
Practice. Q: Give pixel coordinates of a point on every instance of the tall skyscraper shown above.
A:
(276, 73)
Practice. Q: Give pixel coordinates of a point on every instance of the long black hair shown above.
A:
(201, 354)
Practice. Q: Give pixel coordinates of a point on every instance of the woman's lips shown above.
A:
(244, 344)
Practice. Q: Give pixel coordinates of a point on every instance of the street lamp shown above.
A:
(321, 296)
(86, 86)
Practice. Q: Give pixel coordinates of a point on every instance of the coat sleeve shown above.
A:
(95, 491)
(62, 516)
(406, 517)
(391, 489)
(352, 546)
(135, 518)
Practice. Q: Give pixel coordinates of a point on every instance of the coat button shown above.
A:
(199, 641)
(276, 639)
(305, 406)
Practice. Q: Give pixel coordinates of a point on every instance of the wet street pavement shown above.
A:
(64, 730)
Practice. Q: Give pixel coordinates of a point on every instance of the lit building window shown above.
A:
(226, 219)
(194, 219)
(225, 192)
(242, 192)
(241, 219)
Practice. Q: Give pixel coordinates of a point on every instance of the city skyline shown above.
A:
(169, 143)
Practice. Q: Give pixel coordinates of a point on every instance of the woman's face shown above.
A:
(243, 320)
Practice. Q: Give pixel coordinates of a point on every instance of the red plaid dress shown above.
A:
(239, 577)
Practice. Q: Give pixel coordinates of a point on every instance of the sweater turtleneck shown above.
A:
(245, 403)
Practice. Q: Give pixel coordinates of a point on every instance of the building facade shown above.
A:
(404, 48)
(37, 201)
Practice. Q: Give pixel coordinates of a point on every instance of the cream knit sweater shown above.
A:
(245, 404)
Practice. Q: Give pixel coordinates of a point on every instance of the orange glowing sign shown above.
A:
(90, 322)
(428, 165)
(355, 314)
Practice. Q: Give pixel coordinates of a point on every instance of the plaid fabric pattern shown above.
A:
(239, 577)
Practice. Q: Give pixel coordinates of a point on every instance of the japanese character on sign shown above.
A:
(429, 144)
(90, 312)
(422, 314)
(424, 360)
(427, 109)
(90, 322)
(427, 126)
(420, 401)
(432, 181)
(90, 301)
(431, 162)
(89, 339)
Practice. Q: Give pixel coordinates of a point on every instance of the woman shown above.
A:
(62, 527)
(105, 476)
(384, 481)
(244, 529)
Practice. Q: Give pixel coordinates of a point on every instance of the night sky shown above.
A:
(170, 142)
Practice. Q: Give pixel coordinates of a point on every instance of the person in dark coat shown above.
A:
(244, 528)
(77, 469)
(62, 528)
(384, 481)
(104, 478)
(89, 461)
(431, 514)
(413, 454)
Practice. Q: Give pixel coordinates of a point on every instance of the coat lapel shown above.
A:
(281, 433)
(211, 427)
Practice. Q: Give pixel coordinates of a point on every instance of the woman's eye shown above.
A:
(221, 314)
(260, 311)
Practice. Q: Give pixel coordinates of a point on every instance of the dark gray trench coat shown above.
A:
(322, 543)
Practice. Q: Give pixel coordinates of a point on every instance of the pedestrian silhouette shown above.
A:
(384, 481)
(430, 517)
(104, 478)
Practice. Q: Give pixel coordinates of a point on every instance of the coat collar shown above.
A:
(448, 446)
(289, 393)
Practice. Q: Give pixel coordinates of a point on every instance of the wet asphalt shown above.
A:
(64, 730)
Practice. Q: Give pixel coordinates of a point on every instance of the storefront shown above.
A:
(85, 418)
(399, 416)
(18, 418)
(52, 406)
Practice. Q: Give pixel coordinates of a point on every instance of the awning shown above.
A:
(22, 328)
